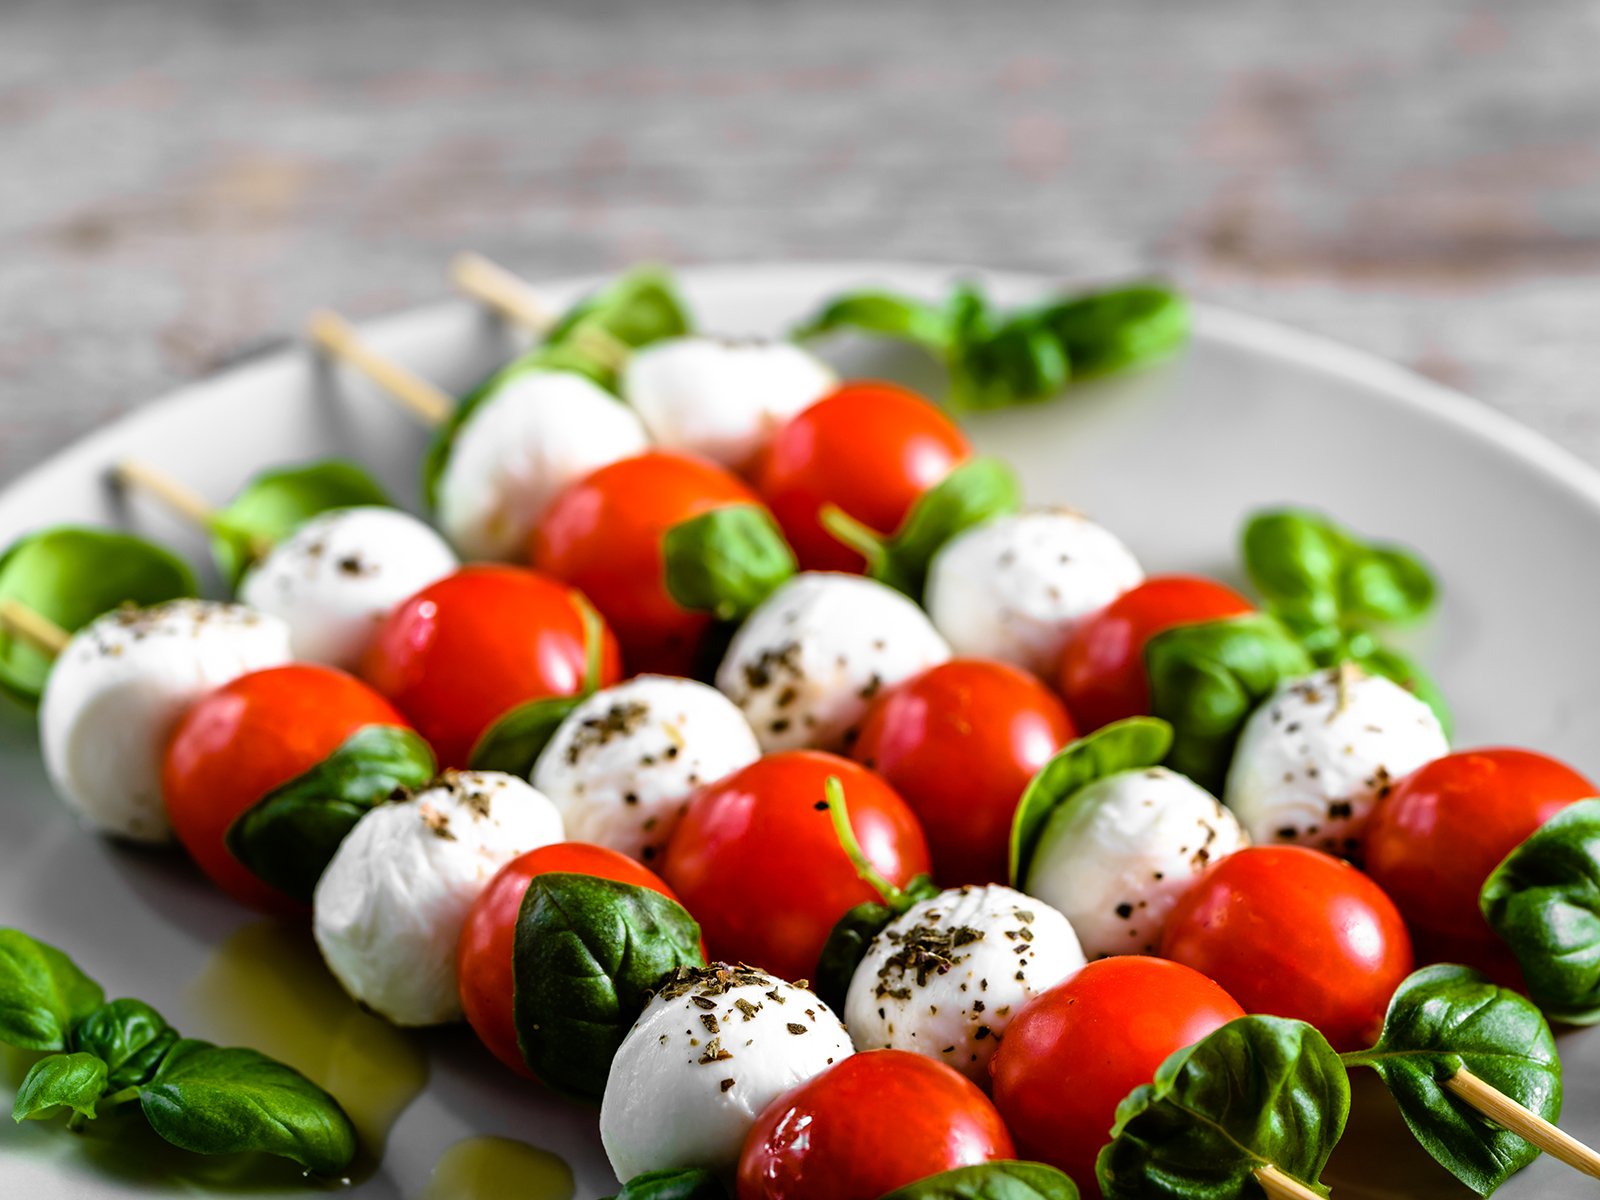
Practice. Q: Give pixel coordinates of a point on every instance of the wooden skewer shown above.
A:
(1280, 1186)
(174, 493)
(333, 335)
(38, 630)
(513, 298)
(1526, 1124)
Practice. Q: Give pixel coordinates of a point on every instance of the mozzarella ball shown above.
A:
(1013, 588)
(120, 686)
(722, 398)
(388, 911)
(622, 766)
(341, 573)
(712, 1049)
(1316, 757)
(1117, 855)
(807, 662)
(945, 977)
(538, 432)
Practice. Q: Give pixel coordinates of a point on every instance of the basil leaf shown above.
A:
(1544, 900)
(679, 1183)
(1444, 1018)
(726, 561)
(273, 504)
(1000, 1180)
(1119, 328)
(287, 838)
(1126, 745)
(586, 954)
(61, 1081)
(852, 935)
(1259, 1091)
(1304, 563)
(882, 314)
(515, 741)
(1020, 362)
(1385, 584)
(976, 491)
(43, 994)
(215, 1100)
(1206, 679)
(72, 575)
(129, 1036)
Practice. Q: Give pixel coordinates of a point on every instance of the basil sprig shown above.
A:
(1000, 1180)
(288, 837)
(199, 1097)
(727, 561)
(1000, 358)
(675, 1183)
(273, 504)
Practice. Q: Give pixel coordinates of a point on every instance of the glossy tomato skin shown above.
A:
(462, 652)
(756, 862)
(603, 536)
(1102, 672)
(1072, 1053)
(247, 738)
(1294, 932)
(960, 742)
(483, 955)
(870, 448)
(872, 1123)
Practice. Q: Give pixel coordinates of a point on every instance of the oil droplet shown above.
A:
(496, 1168)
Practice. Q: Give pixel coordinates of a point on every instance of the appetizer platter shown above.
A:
(801, 733)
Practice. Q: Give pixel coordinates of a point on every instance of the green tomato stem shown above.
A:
(120, 1097)
(895, 898)
(848, 531)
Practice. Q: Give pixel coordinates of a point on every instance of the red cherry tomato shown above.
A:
(464, 651)
(483, 955)
(870, 1124)
(870, 448)
(1293, 932)
(1102, 671)
(756, 861)
(603, 536)
(1434, 839)
(960, 742)
(1072, 1053)
(247, 738)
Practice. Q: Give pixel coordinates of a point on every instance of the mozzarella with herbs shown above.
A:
(807, 662)
(1115, 857)
(1314, 760)
(1013, 588)
(389, 908)
(945, 977)
(711, 1050)
(120, 686)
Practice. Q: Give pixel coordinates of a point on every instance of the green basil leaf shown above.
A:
(129, 1036)
(215, 1100)
(43, 994)
(1119, 328)
(288, 837)
(976, 491)
(881, 314)
(515, 741)
(1020, 362)
(1258, 1091)
(1306, 564)
(1126, 745)
(586, 954)
(1544, 900)
(1206, 679)
(1386, 584)
(73, 1082)
(726, 561)
(1000, 1180)
(678, 1183)
(72, 575)
(1444, 1018)
(850, 938)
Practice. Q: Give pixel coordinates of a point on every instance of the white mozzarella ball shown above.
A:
(712, 1049)
(539, 432)
(807, 662)
(1013, 588)
(722, 398)
(622, 766)
(388, 911)
(946, 976)
(341, 573)
(1115, 858)
(1316, 757)
(119, 688)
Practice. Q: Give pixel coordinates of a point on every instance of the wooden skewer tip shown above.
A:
(32, 627)
(1526, 1124)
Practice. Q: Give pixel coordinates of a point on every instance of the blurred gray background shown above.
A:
(181, 182)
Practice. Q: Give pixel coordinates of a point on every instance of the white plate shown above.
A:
(1252, 414)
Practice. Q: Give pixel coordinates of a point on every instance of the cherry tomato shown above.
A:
(1071, 1054)
(756, 861)
(462, 652)
(960, 742)
(250, 737)
(870, 448)
(1294, 932)
(603, 536)
(483, 955)
(1102, 670)
(1434, 839)
(867, 1125)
